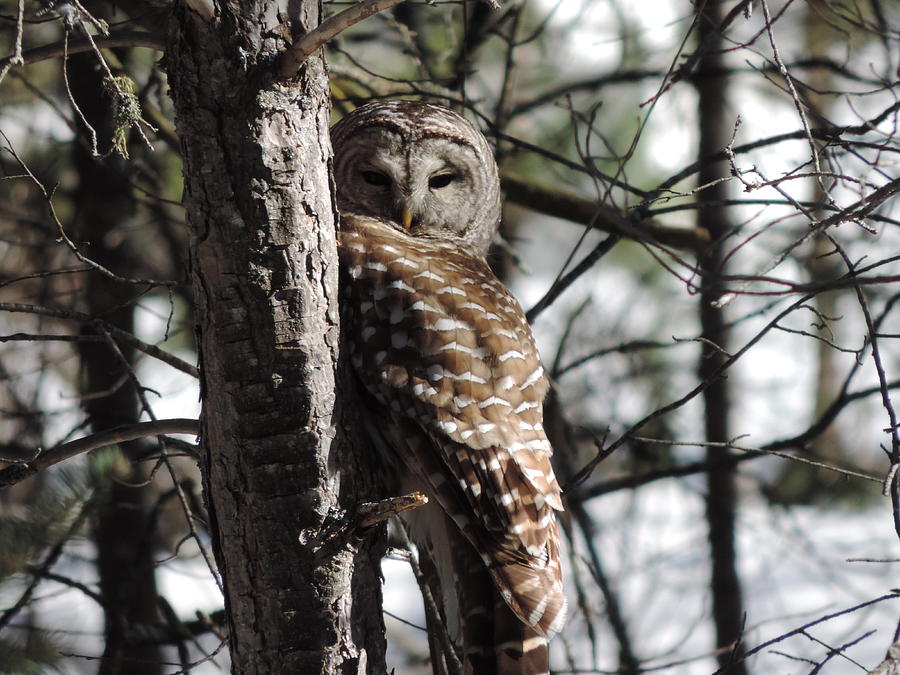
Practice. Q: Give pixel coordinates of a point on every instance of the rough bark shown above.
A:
(302, 591)
(715, 133)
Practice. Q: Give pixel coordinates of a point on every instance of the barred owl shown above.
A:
(449, 374)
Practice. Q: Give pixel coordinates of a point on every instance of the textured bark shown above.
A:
(715, 133)
(124, 552)
(302, 592)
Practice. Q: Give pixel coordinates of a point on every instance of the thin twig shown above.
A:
(798, 441)
(795, 97)
(63, 236)
(806, 626)
(118, 333)
(16, 58)
(730, 445)
(32, 337)
(831, 134)
(583, 266)
(894, 453)
(583, 474)
(433, 614)
(164, 460)
(92, 133)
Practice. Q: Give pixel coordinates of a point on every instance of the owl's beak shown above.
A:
(406, 218)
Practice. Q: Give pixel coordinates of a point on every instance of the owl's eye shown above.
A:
(376, 178)
(441, 180)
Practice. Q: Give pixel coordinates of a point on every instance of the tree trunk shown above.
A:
(302, 591)
(801, 482)
(121, 533)
(715, 133)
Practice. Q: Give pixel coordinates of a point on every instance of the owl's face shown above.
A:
(421, 167)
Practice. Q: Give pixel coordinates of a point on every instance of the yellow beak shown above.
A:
(406, 219)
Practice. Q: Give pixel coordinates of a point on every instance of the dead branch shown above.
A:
(118, 333)
(372, 513)
(571, 207)
(293, 58)
(43, 459)
(76, 46)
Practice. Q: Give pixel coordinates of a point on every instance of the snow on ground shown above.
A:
(794, 565)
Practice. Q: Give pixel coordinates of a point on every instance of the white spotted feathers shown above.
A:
(443, 347)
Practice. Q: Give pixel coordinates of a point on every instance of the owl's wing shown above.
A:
(447, 352)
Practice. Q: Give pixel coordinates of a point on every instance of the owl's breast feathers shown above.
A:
(444, 348)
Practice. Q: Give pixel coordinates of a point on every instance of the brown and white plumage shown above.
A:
(449, 366)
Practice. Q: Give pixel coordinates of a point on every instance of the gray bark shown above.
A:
(302, 590)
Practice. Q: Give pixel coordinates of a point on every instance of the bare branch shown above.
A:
(118, 333)
(290, 61)
(571, 207)
(42, 460)
(372, 513)
(76, 46)
(806, 626)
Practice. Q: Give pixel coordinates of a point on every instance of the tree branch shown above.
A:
(57, 49)
(118, 333)
(292, 58)
(571, 207)
(20, 471)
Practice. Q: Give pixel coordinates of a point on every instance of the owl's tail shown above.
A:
(500, 616)
(518, 648)
(495, 640)
(532, 585)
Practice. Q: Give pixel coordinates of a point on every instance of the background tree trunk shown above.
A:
(721, 501)
(279, 474)
(121, 534)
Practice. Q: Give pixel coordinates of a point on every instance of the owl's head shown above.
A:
(420, 166)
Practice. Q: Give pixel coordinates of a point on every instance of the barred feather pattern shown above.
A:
(446, 355)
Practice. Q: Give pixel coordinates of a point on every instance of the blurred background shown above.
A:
(701, 221)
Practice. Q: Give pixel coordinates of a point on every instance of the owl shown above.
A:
(449, 375)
